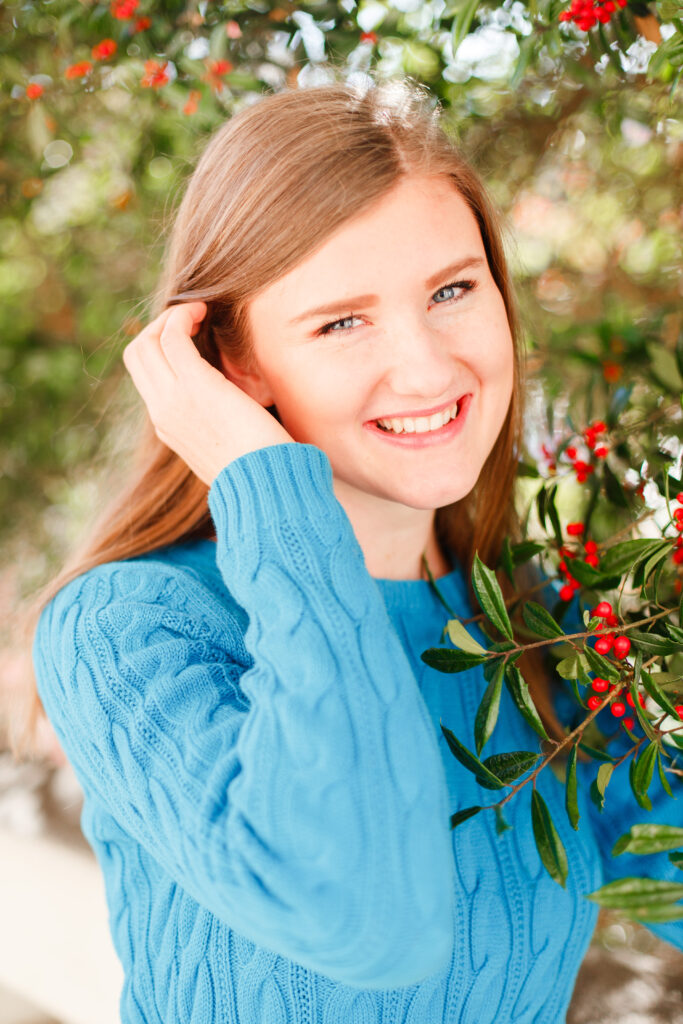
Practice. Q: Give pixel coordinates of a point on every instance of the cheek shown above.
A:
(314, 397)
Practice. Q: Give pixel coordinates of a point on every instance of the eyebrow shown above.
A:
(371, 300)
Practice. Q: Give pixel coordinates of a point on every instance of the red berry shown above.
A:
(629, 723)
(622, 645)
(592, 560)
(678, 556)
(594, 702)
(604, 645)
(618, 708)
(601, 452)
(599, 427)
(566, 592)
(34, 90)
(574, 584)
(563, 566)
(574, 529)
(678, 513)
(679, 497)
(612, 620)
(679, 710)
(591, 547)
(603, 609)
(600, 685)
(570, 452)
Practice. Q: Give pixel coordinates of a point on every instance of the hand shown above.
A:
(196, 411)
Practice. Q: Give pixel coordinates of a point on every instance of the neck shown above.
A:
(392, 537)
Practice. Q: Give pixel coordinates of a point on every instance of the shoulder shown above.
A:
(177, 588)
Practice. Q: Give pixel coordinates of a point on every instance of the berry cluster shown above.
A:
(155, 74)
(590, 550)
(678, 521)
(586, 13)
(618, 707)
(591, 434)
(124, 9)
(107, 48)
(618, 645)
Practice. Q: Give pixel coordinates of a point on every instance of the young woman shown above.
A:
(233, 664)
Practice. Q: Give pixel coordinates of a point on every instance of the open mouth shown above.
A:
(417, 426)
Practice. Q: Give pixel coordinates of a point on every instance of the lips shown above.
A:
(426, 438)
(421, 413)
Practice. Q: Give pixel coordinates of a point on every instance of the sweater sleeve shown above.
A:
(292, 786)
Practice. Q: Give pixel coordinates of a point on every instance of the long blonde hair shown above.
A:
(273, 183)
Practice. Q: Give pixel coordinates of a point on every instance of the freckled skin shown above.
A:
(416, 348)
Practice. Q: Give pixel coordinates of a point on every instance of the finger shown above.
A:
(145, 361)
(176, 342)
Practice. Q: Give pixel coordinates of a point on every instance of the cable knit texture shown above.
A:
(268, 791)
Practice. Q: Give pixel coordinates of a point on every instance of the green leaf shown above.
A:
(677, 860)
(490, 597)
(541, 621)
(519, 691)
(459, 637)
(460, 816)
(642, 798)
(501, 824)
(548, 843)
(511, 766)
(644, 839)
(658, 695)
(571, 791)
(601, 666)
(462, 22)
(646, 563)
(622, 557)
(468, 760)
(569, 668)
(675, 632)
(634, 893)
(657, 914)
(644, 769)
(613, 489)
(652, 643)
(446, 660)
(593, 578)
(597, 755)
(635, 694)
(525, 551)
(553, 516)
(487, 713)
(599, 785)
(662, 776)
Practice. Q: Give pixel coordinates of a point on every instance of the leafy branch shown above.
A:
(613, 664)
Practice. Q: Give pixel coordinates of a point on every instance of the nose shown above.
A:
(422, 362)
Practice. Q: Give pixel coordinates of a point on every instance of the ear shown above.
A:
(250, 381)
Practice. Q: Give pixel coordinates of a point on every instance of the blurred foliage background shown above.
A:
(104, 107)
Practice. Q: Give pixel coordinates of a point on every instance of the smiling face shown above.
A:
(414, 323)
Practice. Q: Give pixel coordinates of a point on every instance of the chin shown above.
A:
(426, 498)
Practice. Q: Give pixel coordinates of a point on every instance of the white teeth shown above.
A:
(420, 424)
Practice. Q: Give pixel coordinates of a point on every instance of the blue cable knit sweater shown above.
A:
(268, 791)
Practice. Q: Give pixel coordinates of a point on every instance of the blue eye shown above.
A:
(463, 286)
